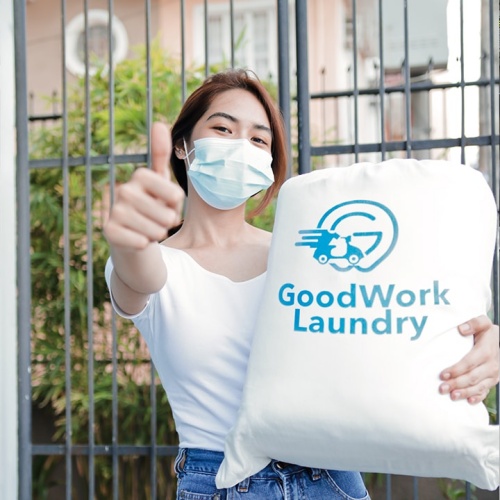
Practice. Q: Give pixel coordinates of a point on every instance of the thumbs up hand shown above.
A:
(149, 204)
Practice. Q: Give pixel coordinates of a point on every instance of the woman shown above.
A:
(194, 297)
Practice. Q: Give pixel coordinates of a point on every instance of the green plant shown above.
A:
(491, 405)
(453, 489)
(43, 471)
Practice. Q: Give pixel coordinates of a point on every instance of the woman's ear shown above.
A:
(180, 153)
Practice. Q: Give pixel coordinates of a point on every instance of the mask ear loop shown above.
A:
(187, 153)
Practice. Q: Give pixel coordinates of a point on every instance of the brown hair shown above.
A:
(201, 99)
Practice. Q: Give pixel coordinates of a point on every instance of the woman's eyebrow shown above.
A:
(221, 114)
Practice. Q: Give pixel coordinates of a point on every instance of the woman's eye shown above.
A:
(220, 128)
(259, 140)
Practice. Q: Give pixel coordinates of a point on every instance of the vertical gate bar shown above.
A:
(284, 75)
(406, 69)
(467, 491)
(494, 147)
(415, 488)
(66, 259)
(462, 125)
(462, 84)
(183, 50)
(355, 92)
(381, 86)
(153, 453)
(149, 91)
(205, 20)
(493, 108)
(114, 390)
(231, 23)
(23, 268)
(114, 333)
(323, 111)
(149, 117)
(494, 183)
(304, 144)
(90, 270)
(388, 487)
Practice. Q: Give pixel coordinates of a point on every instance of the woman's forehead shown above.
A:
(240, 104)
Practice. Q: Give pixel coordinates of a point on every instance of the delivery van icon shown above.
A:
(355, 234)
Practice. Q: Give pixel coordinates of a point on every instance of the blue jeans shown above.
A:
(196, 470)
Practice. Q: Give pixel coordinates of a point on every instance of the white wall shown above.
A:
(8, 305)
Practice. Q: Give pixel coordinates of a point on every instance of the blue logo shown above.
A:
(356, 234)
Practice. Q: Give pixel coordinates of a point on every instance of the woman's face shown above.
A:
(235, 114)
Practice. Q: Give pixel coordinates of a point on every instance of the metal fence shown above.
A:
(78, 465)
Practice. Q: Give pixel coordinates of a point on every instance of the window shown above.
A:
(98, 21)
(255, 36)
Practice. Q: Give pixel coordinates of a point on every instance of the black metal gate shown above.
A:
(82, 379)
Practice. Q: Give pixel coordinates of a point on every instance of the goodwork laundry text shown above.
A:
(386, 298)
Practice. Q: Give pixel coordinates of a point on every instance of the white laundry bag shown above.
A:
(371, 269)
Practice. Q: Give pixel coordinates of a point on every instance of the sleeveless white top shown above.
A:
(199, 329)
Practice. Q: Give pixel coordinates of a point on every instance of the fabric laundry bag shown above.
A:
(371, 269)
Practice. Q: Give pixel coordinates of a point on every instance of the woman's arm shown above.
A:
(477, 372)
(145, 208)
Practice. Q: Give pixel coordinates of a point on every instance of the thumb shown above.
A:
(161, 148)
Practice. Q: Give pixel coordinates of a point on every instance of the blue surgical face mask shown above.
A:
(226, 172)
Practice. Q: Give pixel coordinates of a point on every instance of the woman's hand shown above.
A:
(149, 203)
(477, 372)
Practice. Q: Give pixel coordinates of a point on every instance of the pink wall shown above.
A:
(44, 44)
